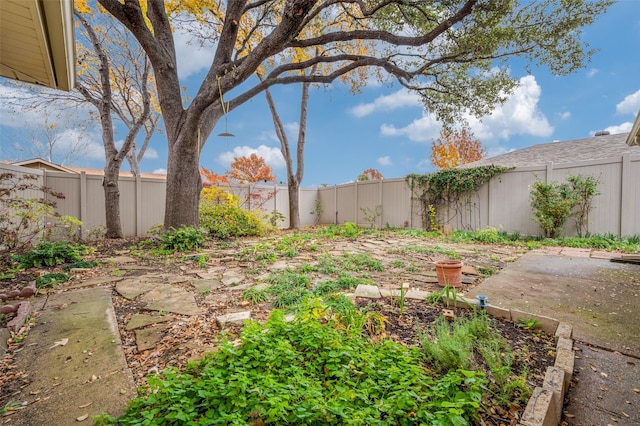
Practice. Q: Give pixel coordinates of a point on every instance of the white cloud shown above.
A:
(71, 139)
(384, 161)
(151, 154)
(630, 104)
(518, 115)
(620, 128)
(160, 171)
(564, 115)
(290, 128)
(272, 156)
(592, 72)
(399, 99)
(191, 57)
(423, 129)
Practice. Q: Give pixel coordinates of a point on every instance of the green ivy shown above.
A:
(447, 186)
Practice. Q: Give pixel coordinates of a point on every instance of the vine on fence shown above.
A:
(448, 186)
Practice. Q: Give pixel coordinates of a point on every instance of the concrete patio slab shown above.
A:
(75, 361)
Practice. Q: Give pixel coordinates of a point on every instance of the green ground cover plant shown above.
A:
(51, 280)
(312, 370)
(186, 238)
(348, 262)
(47, 253)
(428, 250)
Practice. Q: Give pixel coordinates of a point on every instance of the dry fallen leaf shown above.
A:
(59, 343)
(593, 367)
(605, 375)
(82, 418)
(636, 390)
(625, 414)
(85, 405)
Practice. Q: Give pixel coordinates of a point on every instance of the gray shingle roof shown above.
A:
(593, 148)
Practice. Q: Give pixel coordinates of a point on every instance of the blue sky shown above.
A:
(386, 128)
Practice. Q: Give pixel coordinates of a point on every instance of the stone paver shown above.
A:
(232, 277)
(95, 281)
(143, 320)
(120, 259)
(134, 287)
(206, 285)
(168, 298)
(235, 318)
(148, 338)
(368, 291)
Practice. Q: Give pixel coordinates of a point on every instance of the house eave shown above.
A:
(634, 135)
(38, 44)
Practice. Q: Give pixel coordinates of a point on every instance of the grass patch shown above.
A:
(348, 262)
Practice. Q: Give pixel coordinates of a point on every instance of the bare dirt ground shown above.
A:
(186, 337)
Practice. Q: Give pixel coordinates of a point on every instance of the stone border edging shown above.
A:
(545, 404)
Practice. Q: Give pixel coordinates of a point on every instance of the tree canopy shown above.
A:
(453, 52)
(456, 147)
(249, 169)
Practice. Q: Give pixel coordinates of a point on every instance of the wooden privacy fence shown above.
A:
(503, 203)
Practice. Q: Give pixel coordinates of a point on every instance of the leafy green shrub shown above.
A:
(308, 371)
(51, 280)
(224, 218)
(186, 238)
(51, 254)
(553, 203)
(584, 189)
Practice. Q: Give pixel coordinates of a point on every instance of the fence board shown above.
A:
(502, 203)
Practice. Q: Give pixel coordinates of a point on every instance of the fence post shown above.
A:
(626, 216)
(549, 176)
(381, 206)
(138, 206)
(355, 200)
(335, 202)
(83, 203)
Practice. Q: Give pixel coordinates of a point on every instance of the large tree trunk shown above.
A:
(112, 199)
(294, 204)
(183, 187)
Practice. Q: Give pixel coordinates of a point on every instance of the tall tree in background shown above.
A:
(453, 148)
(447, 50)
(294, 177)
(115, 80)
(249, 169)
(114, 76)
(370, 174)
(212, 178)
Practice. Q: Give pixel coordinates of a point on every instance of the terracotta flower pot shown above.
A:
(449, 272)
